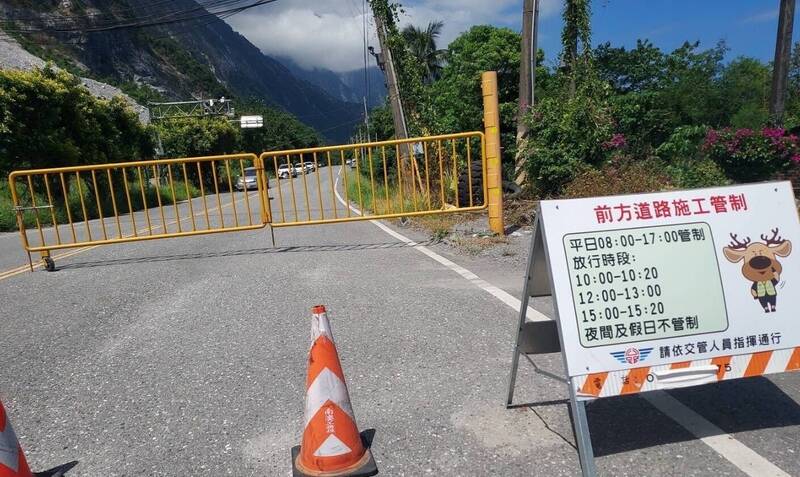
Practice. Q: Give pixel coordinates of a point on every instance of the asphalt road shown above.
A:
(187, 357)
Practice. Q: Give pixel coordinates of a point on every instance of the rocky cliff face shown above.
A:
(13, 56)
(203, 57)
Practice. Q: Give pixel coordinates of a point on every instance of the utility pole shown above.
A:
(366, 117)
(525, 87)
(398, 116)
(780, 68)
(534, 50)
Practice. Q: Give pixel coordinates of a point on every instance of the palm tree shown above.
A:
(422, 44)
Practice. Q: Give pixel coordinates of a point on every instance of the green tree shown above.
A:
(639, 69)
(570, 134)
(690, 85)
(455, 100)
(49, 119)
(422, 44)
(744, 85)
(194, 137)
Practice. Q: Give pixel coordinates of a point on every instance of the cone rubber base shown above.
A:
(369, 468)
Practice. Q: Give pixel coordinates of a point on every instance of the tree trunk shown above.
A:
(524, 89)
(780, 69)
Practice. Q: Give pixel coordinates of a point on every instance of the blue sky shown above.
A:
(748, 27)
(328, 33)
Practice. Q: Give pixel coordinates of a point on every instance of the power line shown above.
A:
(219, 8)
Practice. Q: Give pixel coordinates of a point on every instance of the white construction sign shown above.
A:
(665, 290)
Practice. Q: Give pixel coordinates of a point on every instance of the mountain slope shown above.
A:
(199, 58)
(13, 56)
(348, 86)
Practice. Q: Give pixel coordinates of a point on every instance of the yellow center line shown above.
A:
(23, 268)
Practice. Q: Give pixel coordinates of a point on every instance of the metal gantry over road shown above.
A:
(69, 207)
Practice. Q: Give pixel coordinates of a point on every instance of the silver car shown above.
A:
(249, 181)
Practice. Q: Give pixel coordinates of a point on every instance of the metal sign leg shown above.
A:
(580, 426)
(523, 312)
(512, 379)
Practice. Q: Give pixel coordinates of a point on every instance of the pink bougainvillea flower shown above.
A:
(773, 133)
(711, 137)
(617, 141)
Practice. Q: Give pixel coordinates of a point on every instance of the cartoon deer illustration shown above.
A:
(760, 265)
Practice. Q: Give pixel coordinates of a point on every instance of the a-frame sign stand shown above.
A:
(628, 317)
(538, 337)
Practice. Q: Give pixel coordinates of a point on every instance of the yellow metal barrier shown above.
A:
(439, 174)
(102, 204)
(133, 201)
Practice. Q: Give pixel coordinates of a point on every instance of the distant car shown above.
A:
(287, 170)
(303, 167)
(351, 163)
(310, 166)
(249, 180)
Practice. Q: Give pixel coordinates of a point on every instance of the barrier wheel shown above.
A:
(49, 264)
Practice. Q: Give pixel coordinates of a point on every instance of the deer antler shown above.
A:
(737, 245)
(774, 240)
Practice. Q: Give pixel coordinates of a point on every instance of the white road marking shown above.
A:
(502, 295)
(738, 454)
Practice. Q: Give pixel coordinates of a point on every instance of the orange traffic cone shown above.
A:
(12, 459)
(331, 446)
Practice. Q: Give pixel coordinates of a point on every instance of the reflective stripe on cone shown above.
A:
(331, 443)
(12, 459)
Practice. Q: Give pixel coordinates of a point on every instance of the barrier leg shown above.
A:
(580, 426)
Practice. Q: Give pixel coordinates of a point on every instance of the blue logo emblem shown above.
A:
(631, 355)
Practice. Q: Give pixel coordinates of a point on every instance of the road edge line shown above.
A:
(500, 294)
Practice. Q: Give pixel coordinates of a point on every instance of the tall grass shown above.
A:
(387, 200)
(8, 216)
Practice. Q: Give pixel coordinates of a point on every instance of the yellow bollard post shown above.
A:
(491, 124)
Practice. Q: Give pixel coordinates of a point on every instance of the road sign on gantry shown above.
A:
(665, 290)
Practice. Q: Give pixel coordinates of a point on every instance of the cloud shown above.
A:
(460, 15)
(765, 16)
(322, 34)
(328, 33)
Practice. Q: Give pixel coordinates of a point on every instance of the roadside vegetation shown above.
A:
(49, 119)
(607, 119)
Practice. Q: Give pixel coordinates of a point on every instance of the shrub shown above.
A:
(566, 134)
(8, 217)
(48, 119)
(683, 143)
(622, 175)
(683, 162)
(747, 155)
(695, 173)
